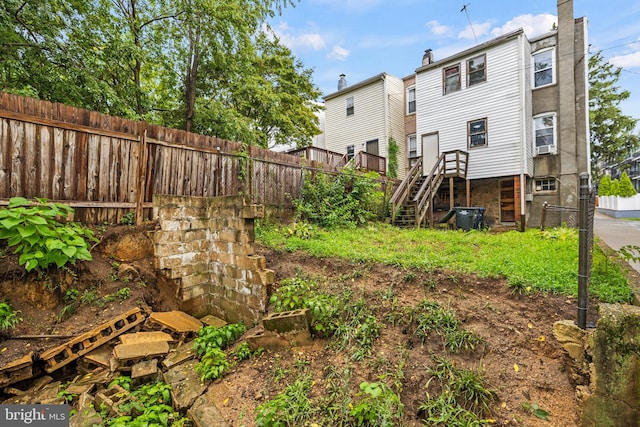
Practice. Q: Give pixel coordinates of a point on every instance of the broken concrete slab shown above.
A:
(145, 371)
(211, 320)
(98, 358)
(142, 337)
(180, 355)
(177, 323)
(185, 383)
(138, 351)
(85, 417)
(46, 395)
(18, 370)
(205, 411)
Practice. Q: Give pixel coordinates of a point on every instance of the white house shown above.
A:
(362, 118)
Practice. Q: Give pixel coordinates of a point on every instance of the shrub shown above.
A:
(625, 187)
(604, 189)
(393, 158)
(35, 232)
(348, 198)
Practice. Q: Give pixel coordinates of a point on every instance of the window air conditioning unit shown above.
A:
(544, 149)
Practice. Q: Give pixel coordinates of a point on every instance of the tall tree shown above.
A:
(612, 133)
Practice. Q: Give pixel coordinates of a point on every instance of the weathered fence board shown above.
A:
(107, 166)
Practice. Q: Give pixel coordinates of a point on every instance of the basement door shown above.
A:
(507, 201)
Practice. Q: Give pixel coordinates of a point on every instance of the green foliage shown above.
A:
(346, 199)
(9, 317)
(290, 408)
(128, 218)
(604, 189)
(463, 397)
(243, 352)
(377, 405)
(612, 134)
(211, 337)
(393, 151)
(626, 189)
(532, 258)
(296, 293)
(209, 344)
(630, 253)
(33, 230)
(193, 65)
(536, 410)
(299, 229)
(150, 405)
(123, 293)
(213, 365)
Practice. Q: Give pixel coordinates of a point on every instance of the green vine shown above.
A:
(394, 149)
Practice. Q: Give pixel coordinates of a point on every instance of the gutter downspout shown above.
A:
(523, 127)
(385, 143)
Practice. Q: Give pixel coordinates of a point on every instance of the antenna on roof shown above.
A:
(466, 11)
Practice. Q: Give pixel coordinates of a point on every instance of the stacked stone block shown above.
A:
(205, 246)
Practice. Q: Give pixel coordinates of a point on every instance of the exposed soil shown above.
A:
(520, 358)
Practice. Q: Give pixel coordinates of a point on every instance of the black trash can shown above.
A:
(469, 218)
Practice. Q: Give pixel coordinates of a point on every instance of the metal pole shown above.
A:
(583, 253)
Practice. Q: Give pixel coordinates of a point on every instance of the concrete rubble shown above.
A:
(146, 347)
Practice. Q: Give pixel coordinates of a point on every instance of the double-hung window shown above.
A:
(451, 79)
(477, 133)
(543, 68)
(411, 100)
(412, 150)
(350, 152)
(544, 127)
(350, 106)
(476, 70)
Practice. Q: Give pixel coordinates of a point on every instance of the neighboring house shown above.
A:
(631, 165)
(362, 118)
(515, 112)
(316, 141)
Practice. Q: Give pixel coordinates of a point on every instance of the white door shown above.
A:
(430, 152)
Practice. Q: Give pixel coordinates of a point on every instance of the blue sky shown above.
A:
(362, 38)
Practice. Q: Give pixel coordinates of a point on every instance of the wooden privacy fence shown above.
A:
(107, 166)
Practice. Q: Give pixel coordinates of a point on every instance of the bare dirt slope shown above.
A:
(520, 358)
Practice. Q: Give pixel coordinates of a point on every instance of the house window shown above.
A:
(543, 63)
(411, 100)
(412, 150)
(452, 79)
(350, 152)
(545, 185)
(477, 133)
(476, 71)
(350, 106)
(545, 133)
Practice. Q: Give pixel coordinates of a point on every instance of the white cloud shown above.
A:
(533, 25)
(438, 29)
(338, 53)
(477, 30)
(631, 60)
(298, 41)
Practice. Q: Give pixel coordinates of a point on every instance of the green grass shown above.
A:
(544, 261)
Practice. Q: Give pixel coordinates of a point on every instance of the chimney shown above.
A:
(427, 58)
(342, 83)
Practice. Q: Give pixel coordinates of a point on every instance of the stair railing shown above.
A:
(404, 189)
(449, 164)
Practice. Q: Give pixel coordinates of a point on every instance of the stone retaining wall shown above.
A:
(205, 246)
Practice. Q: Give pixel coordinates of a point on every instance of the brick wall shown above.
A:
(204, 245)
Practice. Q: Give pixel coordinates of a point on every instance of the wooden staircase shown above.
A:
(412, 201)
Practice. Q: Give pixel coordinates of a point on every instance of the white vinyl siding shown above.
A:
(500, 99)
(379, 114)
